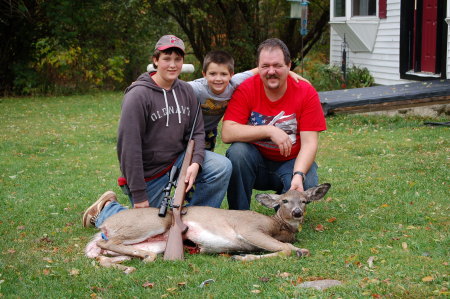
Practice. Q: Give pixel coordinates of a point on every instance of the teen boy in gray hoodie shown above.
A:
(156, 120)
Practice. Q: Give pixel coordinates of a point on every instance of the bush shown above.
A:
(67, 69)
(326, 77)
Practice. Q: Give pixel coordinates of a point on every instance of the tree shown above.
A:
(239, 26)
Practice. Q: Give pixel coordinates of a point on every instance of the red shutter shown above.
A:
(382, 9)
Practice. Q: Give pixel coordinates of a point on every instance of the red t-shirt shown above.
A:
(298, 110)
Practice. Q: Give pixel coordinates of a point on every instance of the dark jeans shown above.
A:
(252, 171)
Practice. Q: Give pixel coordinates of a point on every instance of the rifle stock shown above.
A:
(174, 245)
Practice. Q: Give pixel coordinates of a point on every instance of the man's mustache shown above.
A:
(274, 76)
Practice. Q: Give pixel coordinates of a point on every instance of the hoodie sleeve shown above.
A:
(132, 126)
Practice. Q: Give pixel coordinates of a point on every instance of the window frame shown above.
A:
(349, 11)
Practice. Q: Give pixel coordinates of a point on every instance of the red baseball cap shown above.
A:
(169, 41)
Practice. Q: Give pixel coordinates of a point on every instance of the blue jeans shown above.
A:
(252, 171)
(210, 186)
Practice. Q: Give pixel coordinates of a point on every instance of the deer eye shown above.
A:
(285, 201)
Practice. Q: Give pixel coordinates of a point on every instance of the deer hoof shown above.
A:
(302, 252)
(240, 257)
(149, 258)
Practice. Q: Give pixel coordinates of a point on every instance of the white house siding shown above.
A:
(384, 61)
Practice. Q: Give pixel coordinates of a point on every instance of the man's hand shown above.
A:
(280, 138)
(191, 175)
(143, 204)
(297, 183)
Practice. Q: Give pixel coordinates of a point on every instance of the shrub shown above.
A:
(67, 69)
(330, 77)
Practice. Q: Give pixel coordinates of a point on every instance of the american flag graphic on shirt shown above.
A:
(287, 123)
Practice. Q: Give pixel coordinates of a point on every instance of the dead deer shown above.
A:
(142, 233)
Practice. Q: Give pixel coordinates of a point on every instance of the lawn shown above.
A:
(382, 229)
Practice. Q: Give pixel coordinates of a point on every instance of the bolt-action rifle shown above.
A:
(174, 245)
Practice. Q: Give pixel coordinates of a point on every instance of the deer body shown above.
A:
(142, 233)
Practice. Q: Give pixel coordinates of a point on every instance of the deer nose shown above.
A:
(297, 212)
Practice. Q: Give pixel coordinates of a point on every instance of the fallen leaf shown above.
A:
(331, 220)
(384, 205)
(74, 272)
(97, 289)
(171, 290)
(46, 271)
(404, 246)
(182, 284)
(329, 199)
(374, 250)
(11, 251)
(427, 279)
(256, 291)
(264, 279)
(45, 239)
(284, 274)
(370, 261)
(319, 228)
(148, 284)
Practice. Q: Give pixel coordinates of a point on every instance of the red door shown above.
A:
(429, 35)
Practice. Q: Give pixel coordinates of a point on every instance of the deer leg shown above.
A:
(270, 244)
(109, 262)
(129, 250)
(300, 252)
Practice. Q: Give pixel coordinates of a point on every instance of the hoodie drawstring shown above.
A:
(178, 107)
(167, 106)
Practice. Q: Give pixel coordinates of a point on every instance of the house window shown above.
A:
(364, 8)
(339, 8)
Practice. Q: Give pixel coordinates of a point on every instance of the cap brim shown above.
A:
(162, 48)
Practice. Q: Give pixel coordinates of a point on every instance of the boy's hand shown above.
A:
(297, 77)
(191, 175)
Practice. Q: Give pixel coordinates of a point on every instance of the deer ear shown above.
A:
(317, 193)
(268, 200)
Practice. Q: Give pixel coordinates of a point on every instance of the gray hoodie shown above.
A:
(154, 129)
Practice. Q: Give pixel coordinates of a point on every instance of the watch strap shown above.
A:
(300, 173)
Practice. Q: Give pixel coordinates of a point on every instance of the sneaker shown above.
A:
(91, 213)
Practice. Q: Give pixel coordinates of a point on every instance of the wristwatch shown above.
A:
(300, 173)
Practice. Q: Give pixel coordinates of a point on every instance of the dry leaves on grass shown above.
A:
(319, 228)
(427, 279)
(148, 284)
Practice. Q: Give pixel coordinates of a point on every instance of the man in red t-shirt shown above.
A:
(274, 124)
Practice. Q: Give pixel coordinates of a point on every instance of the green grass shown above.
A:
(389, 199)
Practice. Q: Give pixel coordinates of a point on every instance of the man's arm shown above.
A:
(305, 158)
(236, 132)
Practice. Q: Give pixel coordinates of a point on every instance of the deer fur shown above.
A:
(142, 233)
